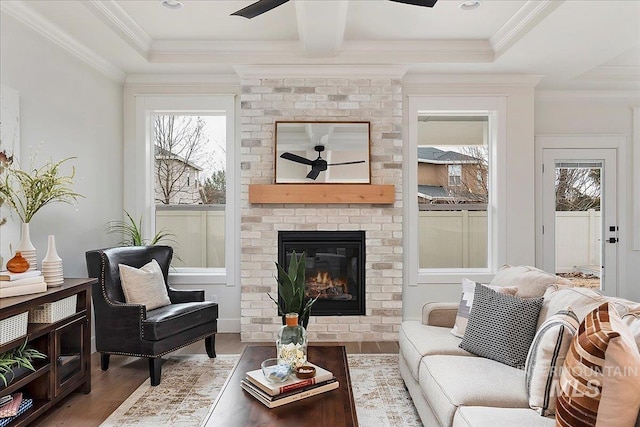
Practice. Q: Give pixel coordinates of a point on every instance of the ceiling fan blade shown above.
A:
(425, 3)
(313, 174)
(258, 8)
(296, 158)
(346, 163)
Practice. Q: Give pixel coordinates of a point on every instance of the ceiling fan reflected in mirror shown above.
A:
(262, 6)
(318, 165)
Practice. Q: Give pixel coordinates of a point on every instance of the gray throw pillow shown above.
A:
(501, 327)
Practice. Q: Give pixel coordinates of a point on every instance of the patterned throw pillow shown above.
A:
(466, 302)
(501, 327)
(144, 285)
(600, 379)
(545, 359)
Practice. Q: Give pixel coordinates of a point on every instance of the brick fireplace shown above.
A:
(267, 100)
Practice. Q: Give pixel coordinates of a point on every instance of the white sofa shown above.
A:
(451, 387)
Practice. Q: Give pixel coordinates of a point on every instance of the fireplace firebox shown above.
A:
(335, 268)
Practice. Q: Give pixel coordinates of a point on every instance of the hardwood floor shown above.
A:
(110, 388)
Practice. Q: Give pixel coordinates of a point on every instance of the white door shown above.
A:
(580, 226)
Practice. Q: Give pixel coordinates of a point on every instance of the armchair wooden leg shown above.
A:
(155, 370)
(210, 345)
(104, 361)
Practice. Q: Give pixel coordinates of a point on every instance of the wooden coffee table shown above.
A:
(336, 408)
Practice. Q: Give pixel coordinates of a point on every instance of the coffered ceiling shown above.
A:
(574, 44)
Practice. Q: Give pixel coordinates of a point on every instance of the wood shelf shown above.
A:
(321, 193)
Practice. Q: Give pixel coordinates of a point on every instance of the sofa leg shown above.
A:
(155, 370)
(104, 361)
(210, 345)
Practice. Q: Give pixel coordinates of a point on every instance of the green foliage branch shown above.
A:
(21, 356)
(29, 191)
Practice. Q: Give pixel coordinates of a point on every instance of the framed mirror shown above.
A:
(323, 152)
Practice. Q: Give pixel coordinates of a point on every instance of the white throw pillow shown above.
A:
(466, 302)
(545, 359)
(531, 282)
(144, 285)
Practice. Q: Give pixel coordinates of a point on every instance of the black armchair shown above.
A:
(131, 330)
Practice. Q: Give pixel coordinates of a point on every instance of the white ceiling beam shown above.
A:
(321, 25)
(118, 20)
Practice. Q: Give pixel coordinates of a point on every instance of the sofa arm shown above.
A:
(440, 314)
(178, 296)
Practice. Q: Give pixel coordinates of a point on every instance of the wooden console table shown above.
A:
(67, 343)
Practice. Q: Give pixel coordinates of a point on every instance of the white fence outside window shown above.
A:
(458, 239)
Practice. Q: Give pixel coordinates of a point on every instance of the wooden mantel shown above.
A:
(321, 193)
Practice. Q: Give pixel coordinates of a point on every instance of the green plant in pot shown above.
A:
(16, 358)
(291, 286)
(132, 233)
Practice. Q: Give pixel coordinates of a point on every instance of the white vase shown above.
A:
(52, 252)
(25, 242)
(26, 247)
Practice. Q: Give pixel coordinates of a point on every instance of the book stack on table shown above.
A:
(14, 284)
(293, 389)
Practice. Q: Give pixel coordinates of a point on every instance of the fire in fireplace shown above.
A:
(335, 271)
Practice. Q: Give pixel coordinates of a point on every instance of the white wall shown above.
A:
(599, 113)
(67, 109)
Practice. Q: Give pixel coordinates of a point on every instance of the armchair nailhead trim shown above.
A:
(160, 354)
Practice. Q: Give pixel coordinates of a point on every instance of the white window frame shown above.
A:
(493, 107)
(139, 166)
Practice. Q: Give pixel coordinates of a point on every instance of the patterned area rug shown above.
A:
(188, 383)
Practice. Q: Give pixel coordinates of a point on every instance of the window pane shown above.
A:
(453, 192)
(190, 187)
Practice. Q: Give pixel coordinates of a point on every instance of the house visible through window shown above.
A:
(453, 191)
(190, 186)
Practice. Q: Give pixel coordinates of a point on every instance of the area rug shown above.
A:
(190, 383)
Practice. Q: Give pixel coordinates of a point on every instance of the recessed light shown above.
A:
(469, 5)
(172, 4)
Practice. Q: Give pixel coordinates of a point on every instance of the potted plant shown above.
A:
(16, 360)
(291, 290)
(132, 232)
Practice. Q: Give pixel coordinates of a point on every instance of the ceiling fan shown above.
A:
(318, 165)
(262, 6)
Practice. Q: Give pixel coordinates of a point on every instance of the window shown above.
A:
(191, 209)
(452, 217)
(455, 175)
(182, 163)
(453, 193)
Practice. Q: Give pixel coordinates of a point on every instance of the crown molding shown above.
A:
(23, 13)
(182, 80)
(292, 52)
(472, 79)
(116, 18)
(523, 21)
(609, 73)
(587, 94)
(324, 71)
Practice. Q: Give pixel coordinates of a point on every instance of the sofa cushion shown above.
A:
(632, 320)
(418, 340)
(466, 304)
(600, 382)
(501, 327)
(175, 318)
(580, 300)
(449, 382)
(545, 359)
(481, 416)
(144, 285)
(530, 281)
